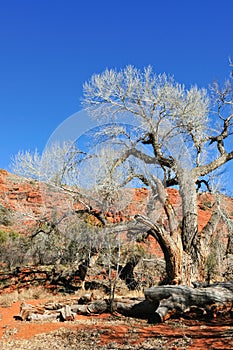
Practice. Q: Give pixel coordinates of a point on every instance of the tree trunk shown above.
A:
(185, 250)
(142, 309)
(66, 314)
(126, 273)
(189, 209)
(211, 300)
(171, 247)
(170, 240)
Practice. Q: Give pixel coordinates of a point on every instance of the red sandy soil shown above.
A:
(173, 333)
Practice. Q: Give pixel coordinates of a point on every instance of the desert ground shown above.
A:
(106, 331)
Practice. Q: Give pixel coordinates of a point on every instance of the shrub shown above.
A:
(5, 216)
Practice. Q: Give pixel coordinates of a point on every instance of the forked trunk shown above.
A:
(185, 250)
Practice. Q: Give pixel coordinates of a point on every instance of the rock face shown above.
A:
(23, 201)
(26, 201)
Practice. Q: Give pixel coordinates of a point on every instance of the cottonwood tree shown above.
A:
(178, 137)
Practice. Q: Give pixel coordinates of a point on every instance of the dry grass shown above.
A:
(82, 339)
(7, 299)
(131, 294)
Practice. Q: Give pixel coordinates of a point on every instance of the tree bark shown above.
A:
(165, 301)
(172, 299)
(185, 249)
(66, 314)
(142, 309)
(171, 249)
(189, 209)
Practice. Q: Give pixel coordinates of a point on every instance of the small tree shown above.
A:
(54, 166)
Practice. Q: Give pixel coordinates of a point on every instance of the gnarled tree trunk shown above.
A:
(185, 249)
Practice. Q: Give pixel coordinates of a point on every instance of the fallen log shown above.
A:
(42, 318)
(80, 309)
(210, 300)
(61, 311)
(134, 308)
(66, 314)
(160, 304)
(92, 308)
(26, 310)
(97, 307)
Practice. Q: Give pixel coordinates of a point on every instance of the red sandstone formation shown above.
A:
(33, 200)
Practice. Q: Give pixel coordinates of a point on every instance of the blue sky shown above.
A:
(49, 48)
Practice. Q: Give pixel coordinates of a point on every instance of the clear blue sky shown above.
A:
(50, 47)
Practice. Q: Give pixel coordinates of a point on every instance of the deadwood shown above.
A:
(142, 309)
(62, 311)
(210, 301)
(159, 304)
